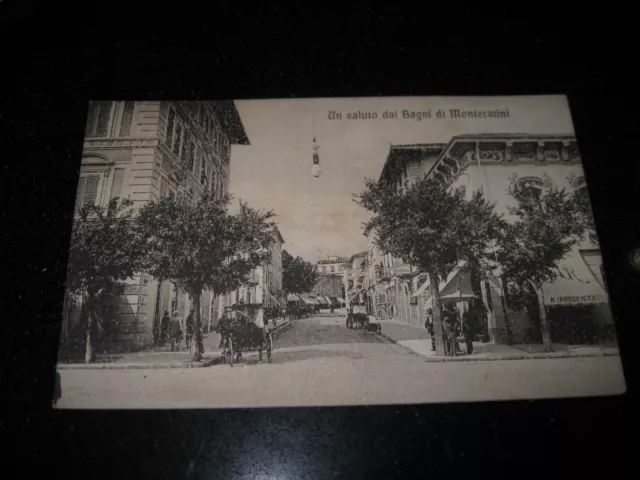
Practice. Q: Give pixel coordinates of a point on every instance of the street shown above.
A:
(319, 362)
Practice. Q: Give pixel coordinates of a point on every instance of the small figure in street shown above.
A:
(189, 329)
(223, 325)
(175, 332)
(164, 327)
(470, 326)
(450, 327)
(428, 324)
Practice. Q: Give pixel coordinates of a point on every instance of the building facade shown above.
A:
(391, 281)
(265, 282)
(576, 301)
(144, 151)
(331, 277)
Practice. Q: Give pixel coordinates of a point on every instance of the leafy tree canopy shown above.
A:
(105, 250)
(544, 230)
(427, 226)
(198, 244)
(298, 275)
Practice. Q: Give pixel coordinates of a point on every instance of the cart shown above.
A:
(242, 335)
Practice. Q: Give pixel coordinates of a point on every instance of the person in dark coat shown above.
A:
(450, 326)
(164, 327)
(189, 329)
(428, 324)
(470, 327)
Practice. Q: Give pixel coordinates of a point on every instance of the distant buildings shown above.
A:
(144, 151)
(265, 282)
(331, 271)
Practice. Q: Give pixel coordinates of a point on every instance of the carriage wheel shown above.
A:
(229, 353)
(269, 347)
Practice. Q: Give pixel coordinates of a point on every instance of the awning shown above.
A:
(575, 284)
(292, 297)
(444, 290)
(308, 300)
(341, 300)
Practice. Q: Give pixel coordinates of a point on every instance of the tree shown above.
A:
(431, 228)
(198, 245)
(298, 275)
(105, 251)
(584, 213)
(545, 228)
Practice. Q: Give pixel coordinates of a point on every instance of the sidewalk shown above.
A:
(418, 341)
(161, 357)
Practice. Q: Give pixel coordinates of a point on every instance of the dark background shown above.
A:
(55, 58)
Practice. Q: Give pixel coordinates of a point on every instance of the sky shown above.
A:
(317, 216)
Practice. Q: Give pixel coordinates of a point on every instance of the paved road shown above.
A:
(369, 370)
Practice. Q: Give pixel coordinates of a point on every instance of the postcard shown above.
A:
(333, 252)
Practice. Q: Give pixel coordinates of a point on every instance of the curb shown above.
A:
(135, 366)
(485, 358)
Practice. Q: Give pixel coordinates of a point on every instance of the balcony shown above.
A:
(252, 280)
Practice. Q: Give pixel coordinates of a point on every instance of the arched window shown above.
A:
(531, 187)
(100, 180)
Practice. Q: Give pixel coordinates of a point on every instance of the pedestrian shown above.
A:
(164, 327)
(189, 324)
(470, 326)
(175, 332)
(428, 324)
(449, 324)
(223, 325)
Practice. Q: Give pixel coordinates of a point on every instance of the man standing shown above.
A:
(428, 324)
(470, 327)
(189, 329)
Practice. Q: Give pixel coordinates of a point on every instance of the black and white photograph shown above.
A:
(333, 252)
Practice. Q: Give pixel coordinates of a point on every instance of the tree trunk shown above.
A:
(197, 346)
(544, 324)
(437, 317)
(88, 355)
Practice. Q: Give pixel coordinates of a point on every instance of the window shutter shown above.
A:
(116, 186)
(91, 119)
(177, 140)
(82, 181)
(91, 190)
(102, 121)
(163, 187)
(127, 118)
(170, 123)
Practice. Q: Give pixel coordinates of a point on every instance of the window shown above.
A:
(170, 126)
(127, 119)
(201, 113)
(177, 141)
(196, 158)
(531, 187)
(186, 158)
(163, 187)
(116, 185)
(98, 119)
(87, 193)
(214, 184)
(203, 174)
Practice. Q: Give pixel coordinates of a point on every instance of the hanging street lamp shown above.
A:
(316, 170)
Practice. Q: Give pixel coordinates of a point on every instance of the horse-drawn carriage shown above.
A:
(240, 334)
(359, 318)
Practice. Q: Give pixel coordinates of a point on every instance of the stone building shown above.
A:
(144, 151)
